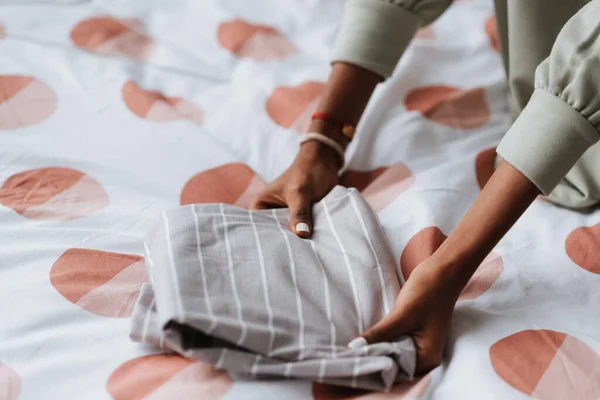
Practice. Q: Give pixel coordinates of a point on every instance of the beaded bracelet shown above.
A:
(332, 144)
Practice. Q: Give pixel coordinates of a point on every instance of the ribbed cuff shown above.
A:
(374, 34)
(546, 140)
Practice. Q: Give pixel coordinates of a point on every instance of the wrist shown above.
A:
(316, 152)
(330, 130)
(456, 263)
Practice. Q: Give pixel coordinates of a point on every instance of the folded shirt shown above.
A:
(237, 289)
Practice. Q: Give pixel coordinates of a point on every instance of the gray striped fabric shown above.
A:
(237, 289)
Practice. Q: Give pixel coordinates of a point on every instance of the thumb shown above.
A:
(388, 329)
(300, 214)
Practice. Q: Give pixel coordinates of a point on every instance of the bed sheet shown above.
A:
(112, 111)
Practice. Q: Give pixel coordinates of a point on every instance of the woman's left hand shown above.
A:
(423, 310)
(424, 306)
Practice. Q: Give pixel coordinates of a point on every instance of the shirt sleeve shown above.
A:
(562, 118)
(375, 33)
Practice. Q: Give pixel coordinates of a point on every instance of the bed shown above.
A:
(112, 111)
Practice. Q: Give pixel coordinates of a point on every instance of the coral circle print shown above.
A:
(491, 30)
(547, 365)
(257, 42)
(425, 242)
(154, 106)
(54, 193)
(450, 106)
(101, 282)
(292, 106)
(167, 377)
(24, 100)
(10, 383)
(381, 186)
(583, 247)
(234, 183)
(113, 36)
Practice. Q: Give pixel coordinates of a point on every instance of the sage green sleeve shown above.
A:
(562, 118)
(375, 33)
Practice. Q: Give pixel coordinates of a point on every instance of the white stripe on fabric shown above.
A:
(148, 257)
(232, 278)
(213, 320)
(348, 267)
(161, 341)
(332, 332)
(221, 360)
(363, 225)
(263, 273)
(255, 364)
(147, 319)
(321, 371)
(288, 369)
(295, 282)
(172, 267)
(355, 371)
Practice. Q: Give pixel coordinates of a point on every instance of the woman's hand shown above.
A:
(424, 306)
(314, 172)
(312, 175)
(423, 310)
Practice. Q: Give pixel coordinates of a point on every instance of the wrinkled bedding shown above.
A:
(113, 111)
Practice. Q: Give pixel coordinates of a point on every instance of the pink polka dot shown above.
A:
(166, 377)
(10, 383)
(53, 194)
(381, 186)
(156, 107)
(292, 107)
(24, 101)
(425, 33)
(101, 282)
(484, 277)
(450, 106)
(113, 36)
(484, 166)
(232, 183)
(583, 247)
(491, 30)
(425, 242)
(419, 248)
(258, 42)
(547, 365)
(404, 391)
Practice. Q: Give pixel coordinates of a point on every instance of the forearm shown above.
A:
(500, 204)
(345, 97)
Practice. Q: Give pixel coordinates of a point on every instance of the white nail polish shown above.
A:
(302, 227)
(358, 342)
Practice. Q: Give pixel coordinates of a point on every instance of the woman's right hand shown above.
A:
(315, 170)
(311, 176)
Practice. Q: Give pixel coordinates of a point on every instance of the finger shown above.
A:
(265, 201)
(428, 359)
(388, 329)
(300, 214)
(430, 350)
(258, 204)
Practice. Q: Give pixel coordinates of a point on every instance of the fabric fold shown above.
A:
(236, 288)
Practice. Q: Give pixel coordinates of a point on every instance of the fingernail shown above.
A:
(302, 227)
(358, 342)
